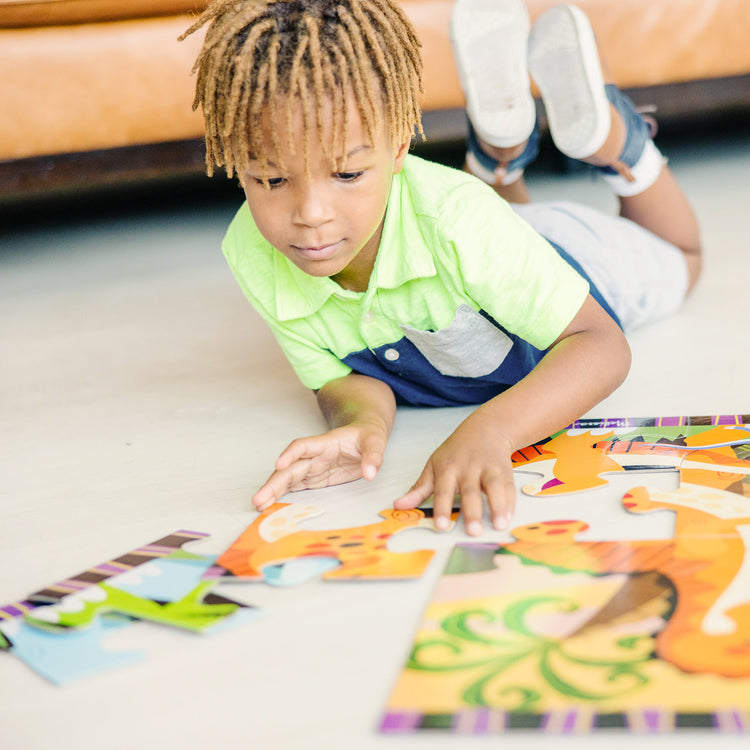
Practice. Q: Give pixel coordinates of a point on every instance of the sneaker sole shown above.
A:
(489, 46)
(564, 63)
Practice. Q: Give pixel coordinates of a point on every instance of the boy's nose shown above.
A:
(313, 207)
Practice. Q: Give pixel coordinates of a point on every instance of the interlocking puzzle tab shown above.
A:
(275, 539)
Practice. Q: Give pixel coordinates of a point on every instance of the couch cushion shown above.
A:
(105, 85)
(96, 86)
(27, 13)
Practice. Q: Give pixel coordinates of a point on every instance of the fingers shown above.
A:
(373, 450)
(443, 498)
(279, 484)
(501, 497)
(338, 456)
(420, 491)
(291, 467)
(471, 509)
(297, 449)
(443, 491)
(499, 489)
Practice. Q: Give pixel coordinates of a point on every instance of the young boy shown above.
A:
(388, 279)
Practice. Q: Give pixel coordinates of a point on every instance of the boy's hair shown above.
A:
(313, 52)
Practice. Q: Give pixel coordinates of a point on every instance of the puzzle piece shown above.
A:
(189, 605)
(361, 552)
(702, 634)
(163, 547)
(60, 658)
(64, 657)
(161, 583)
(569, 462)
(541, 634)
(579, 457)
(711, 525)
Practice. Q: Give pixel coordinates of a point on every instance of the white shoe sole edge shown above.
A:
(564, 63)
(489, 40)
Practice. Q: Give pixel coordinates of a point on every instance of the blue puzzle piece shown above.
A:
(63, 657)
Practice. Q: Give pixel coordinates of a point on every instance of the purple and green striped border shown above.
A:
(628, 422)
(486, 721)
(160, 548)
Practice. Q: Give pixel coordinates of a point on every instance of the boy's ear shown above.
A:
(401, 151)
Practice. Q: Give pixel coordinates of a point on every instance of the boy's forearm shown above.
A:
(357, 398)
(577, 373)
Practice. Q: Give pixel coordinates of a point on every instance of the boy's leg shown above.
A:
(593, 121)
(489, 40)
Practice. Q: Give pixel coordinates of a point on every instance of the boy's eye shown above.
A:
(272, 182)
(348, 176)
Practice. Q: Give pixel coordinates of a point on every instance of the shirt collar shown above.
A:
(298, 294)
(403, 255)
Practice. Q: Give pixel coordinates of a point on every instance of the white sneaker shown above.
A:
(489, 45)
(564, 63)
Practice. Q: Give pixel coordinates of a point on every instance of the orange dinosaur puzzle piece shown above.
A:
(361, 552)
(706, 563)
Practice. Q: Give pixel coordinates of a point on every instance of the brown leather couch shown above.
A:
(99, 90)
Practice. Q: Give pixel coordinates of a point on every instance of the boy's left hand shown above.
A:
(473, 461)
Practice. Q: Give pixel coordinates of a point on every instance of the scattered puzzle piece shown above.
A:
(159, 583)
(167, 545)
(361, 552)
(71, 655)
(197, 609)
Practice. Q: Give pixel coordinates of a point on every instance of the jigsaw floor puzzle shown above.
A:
(561, 635)
(553, 631)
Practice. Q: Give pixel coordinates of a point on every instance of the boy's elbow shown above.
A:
(623, 357)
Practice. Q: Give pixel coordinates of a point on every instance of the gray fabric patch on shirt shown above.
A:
(470, 347)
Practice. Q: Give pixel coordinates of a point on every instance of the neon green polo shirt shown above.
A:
(463, 300)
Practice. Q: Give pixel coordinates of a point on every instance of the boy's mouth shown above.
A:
(318, 252)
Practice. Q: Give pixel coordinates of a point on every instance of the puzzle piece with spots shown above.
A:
(274, 542)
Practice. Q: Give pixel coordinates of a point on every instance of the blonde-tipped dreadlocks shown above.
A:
(313, 52)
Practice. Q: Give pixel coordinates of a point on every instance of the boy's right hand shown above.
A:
(335, 457)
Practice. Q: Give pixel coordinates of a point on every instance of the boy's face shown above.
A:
(326, 219)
